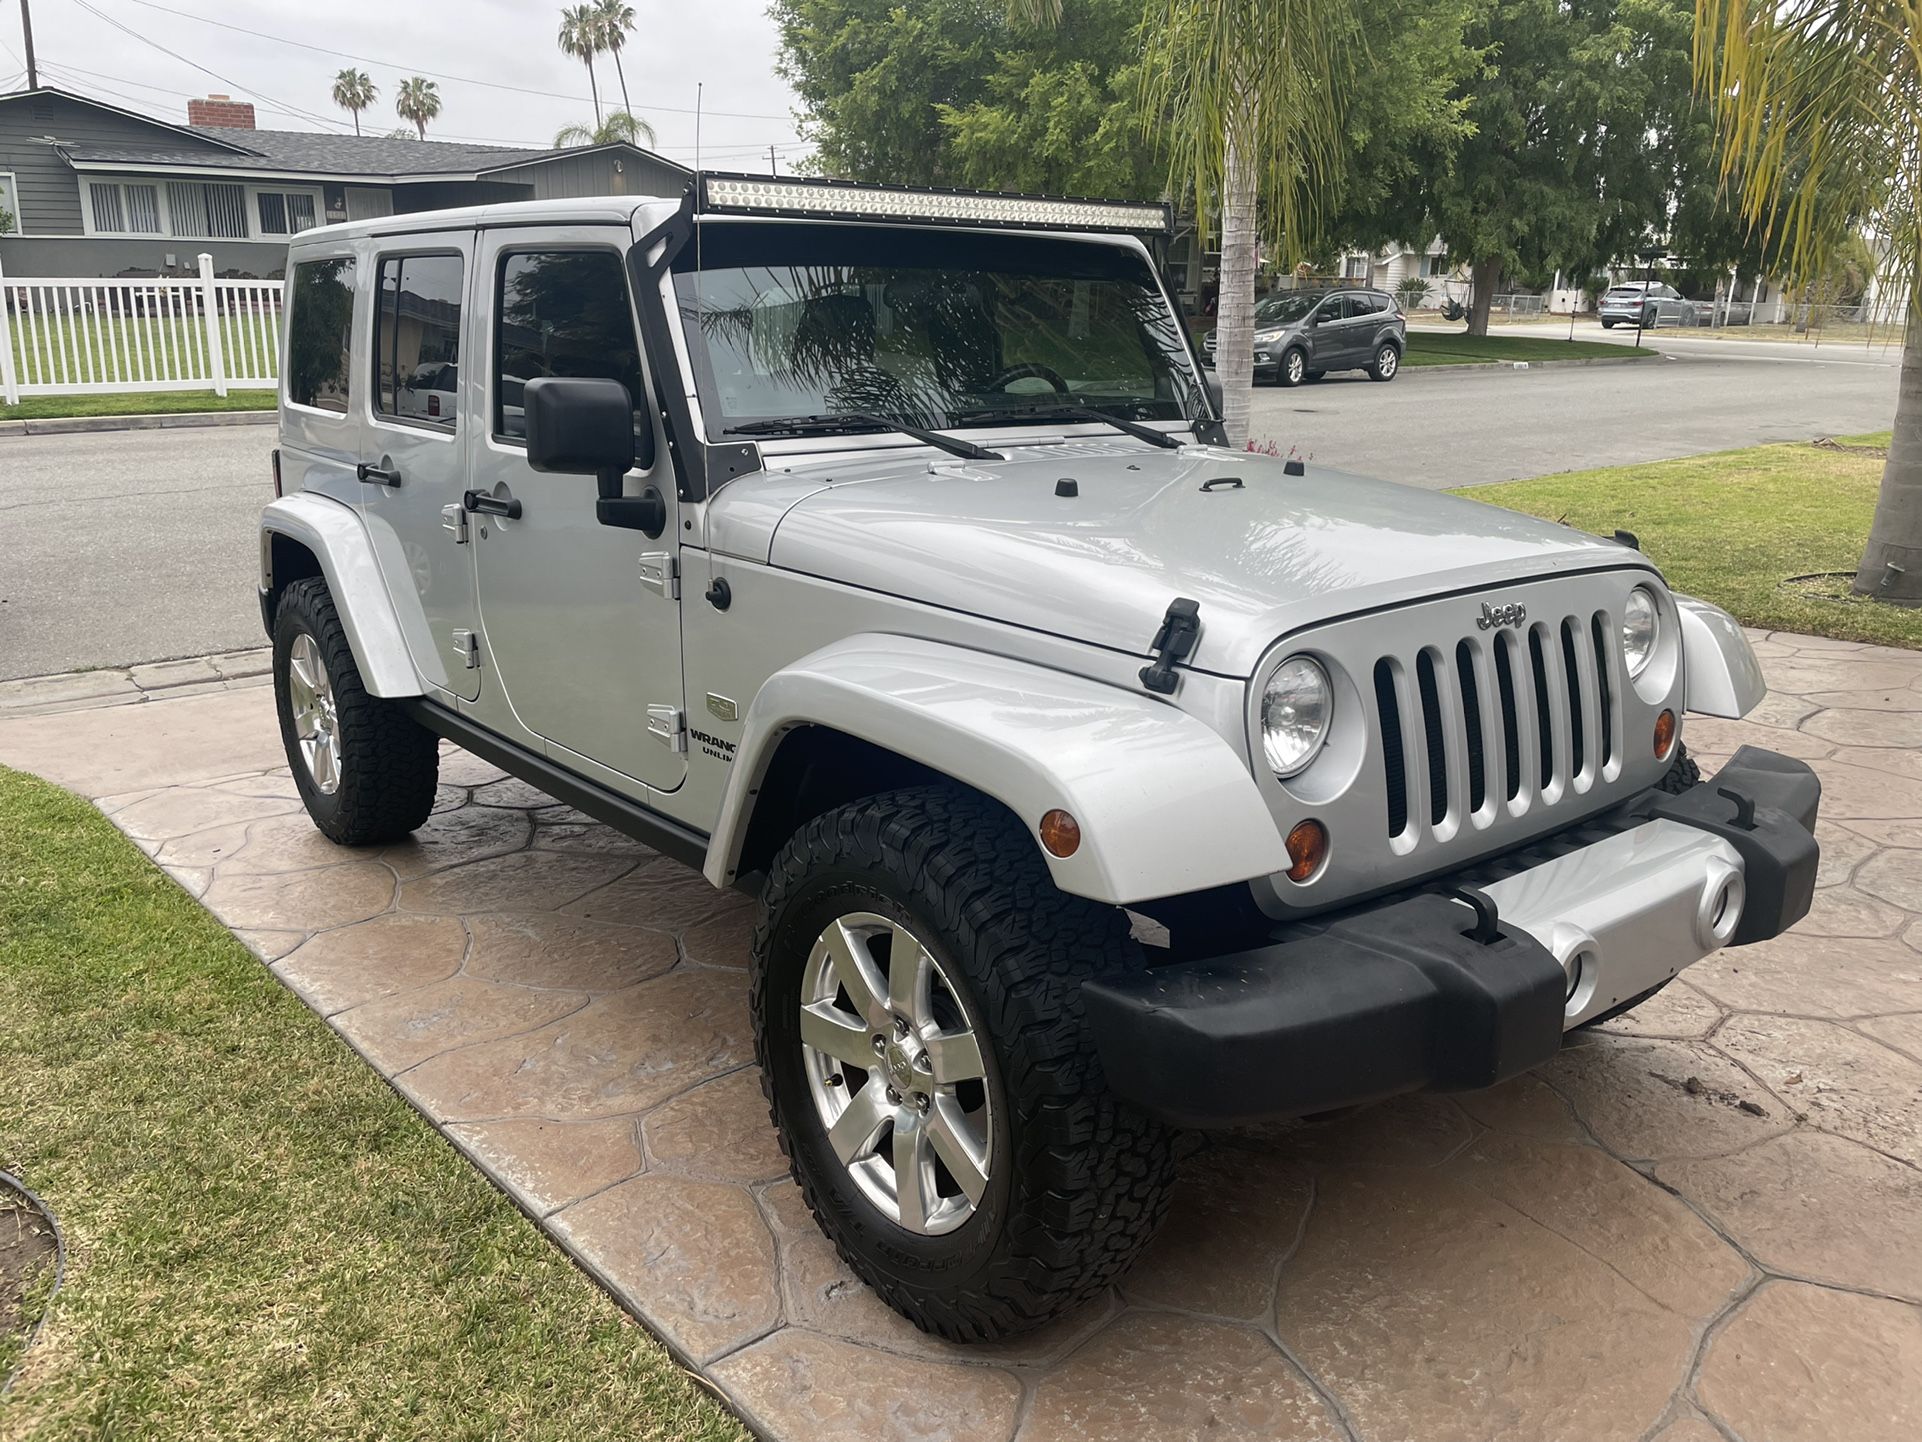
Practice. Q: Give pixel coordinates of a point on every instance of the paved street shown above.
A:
(1695, 1223)
(133, 546)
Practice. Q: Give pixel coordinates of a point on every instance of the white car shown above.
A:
(1647, 303)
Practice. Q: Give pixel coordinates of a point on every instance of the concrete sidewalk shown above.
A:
(1702, 1222)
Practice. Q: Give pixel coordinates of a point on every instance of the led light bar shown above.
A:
(848, 200)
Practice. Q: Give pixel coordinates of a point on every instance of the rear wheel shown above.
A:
(365, 768)
(1608, 325)
(916, 993)
(1386, 363)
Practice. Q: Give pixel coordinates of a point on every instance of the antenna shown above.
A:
(771, 168)
(698, 87)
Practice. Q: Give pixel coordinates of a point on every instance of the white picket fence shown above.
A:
(65, 337)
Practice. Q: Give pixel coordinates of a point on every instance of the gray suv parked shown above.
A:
(1302, 335)
(876, 552)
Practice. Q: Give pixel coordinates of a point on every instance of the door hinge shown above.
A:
(466, 646)
(660, 573)
(454, 518)
(668, 726)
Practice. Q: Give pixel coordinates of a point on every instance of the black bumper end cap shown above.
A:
(1383, 1001)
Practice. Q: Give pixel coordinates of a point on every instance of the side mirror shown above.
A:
(1211, 382)
(582, 426)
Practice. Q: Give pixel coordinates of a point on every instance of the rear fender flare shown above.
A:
(339, 542)
(1165, 804)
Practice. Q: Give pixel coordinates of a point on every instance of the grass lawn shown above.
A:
(1731, 527)
(144, 403)
(1432, 348)
(265, 1241)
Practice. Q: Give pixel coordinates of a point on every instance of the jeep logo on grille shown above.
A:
(1494, 617)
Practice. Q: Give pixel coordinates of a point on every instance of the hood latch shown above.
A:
(1180, 629)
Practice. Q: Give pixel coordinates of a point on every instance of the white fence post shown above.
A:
(9, 382)
(210, 316)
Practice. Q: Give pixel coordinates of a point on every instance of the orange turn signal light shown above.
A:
(1060, 833)
(1664, 734)
(1307, 849)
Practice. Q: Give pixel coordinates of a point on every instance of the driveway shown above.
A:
(132, 546)
(1699, 1223)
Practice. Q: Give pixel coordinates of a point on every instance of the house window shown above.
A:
(207, 209)
(125, 209)
(285, 212)
(10, 221)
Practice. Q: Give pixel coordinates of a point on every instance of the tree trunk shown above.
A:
(1485, 276)
(594, 90)
(1895, 539)
(625, 103)
(357, 124)
(420, 125)
(1235, 300)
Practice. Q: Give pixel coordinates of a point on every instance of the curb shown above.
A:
(131, 685)
(180, 420)
(1538, 365)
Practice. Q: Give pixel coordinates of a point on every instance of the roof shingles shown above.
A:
(310, 152)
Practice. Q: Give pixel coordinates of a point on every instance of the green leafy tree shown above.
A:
(354, 91)
(418, 101)
(580, 37)
(620, 128)
(1819, 110)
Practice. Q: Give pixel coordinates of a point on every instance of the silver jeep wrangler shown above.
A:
(874, 551)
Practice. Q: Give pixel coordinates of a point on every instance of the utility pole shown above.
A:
(26, 30)
(771, 170)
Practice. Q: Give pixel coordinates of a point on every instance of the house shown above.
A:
(95, 190)
(1387, 268)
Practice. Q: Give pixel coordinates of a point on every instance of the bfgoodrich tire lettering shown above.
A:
(387, 764)
(1076, 1182)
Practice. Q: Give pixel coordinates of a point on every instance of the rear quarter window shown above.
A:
(320, 332)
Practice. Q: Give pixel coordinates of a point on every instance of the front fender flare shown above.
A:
(338, 540)
(1723, 676)
(1166, 806)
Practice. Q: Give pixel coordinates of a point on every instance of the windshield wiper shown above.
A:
(854, 422)
(1083, 413)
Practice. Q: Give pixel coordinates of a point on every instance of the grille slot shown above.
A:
(1527, 718)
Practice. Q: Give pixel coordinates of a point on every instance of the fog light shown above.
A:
(1664, 734)
(1307, 849)
(1060, 833)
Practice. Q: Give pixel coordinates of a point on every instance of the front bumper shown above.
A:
(1427, 991)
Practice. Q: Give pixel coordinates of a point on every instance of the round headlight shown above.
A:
(1295, 707)
(1641, 625)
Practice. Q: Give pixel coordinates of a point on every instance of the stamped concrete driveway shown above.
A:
(1702, 1222)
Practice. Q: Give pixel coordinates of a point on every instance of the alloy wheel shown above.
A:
(1387, 361)
(894, 1067)
(1297, 367)
(310, 695)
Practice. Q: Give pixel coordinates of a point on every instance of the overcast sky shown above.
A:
(729, 45)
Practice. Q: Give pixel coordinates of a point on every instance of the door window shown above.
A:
(417, 339)
(320, 328)
(562, 313)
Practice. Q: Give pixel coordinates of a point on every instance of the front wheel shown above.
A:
(1387, 361)
(365, 769)
(916, 994)
(1294, 368)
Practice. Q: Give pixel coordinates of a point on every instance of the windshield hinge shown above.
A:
(1175, 641)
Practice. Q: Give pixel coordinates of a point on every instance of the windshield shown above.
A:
(1285, 309)
(934, 328)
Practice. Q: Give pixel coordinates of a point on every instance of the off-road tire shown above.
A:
(1291, 358)
(1387, 362)
(1683, 775)
(389, 763)
(1079, 1182)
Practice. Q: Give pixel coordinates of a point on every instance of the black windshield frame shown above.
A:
(1128, 278)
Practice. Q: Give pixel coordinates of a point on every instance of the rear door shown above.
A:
(415, 446)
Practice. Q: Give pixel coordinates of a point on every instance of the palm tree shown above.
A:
(581, 37)
(616, 20)
(418, 101)
(1819, 105)
(620, 128)
(354, 91)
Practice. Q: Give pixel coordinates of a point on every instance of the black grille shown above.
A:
(1391, 754)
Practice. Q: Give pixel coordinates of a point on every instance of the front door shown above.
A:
(417, 437)
(582, 622)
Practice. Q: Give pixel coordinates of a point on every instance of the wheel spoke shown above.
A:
(912, 1187)
(953, 1141)
(307, 722)
(853, 1133)
(909, 969)
(826, 1028)
(954, 1056)
(858, 975)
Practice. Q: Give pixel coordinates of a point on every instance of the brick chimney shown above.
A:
(220, 110)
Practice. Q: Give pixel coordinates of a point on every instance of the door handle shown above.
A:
(376, 475)
(486, 505)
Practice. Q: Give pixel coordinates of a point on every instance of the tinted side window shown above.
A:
(562, 313)
(417, 339)
(320, 331)
(1361, 303)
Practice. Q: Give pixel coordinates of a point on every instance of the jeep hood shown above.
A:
(1264, 557)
